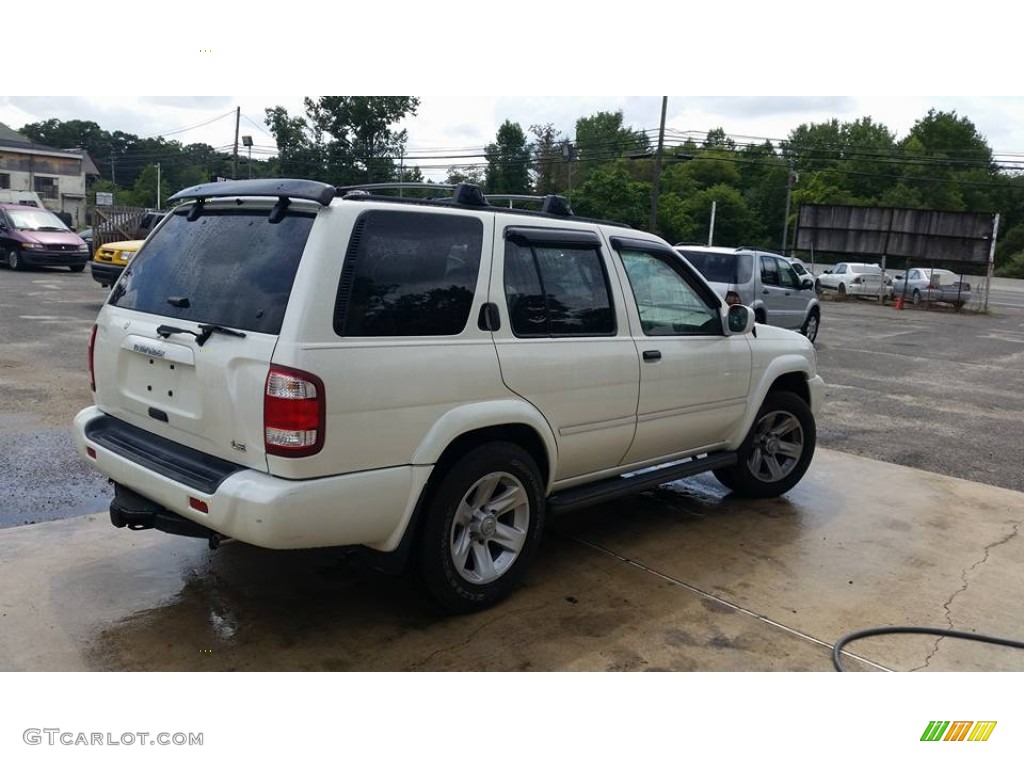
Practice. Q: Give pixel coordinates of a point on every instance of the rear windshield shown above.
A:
(866, 269)
(732, 268)
(231, 268)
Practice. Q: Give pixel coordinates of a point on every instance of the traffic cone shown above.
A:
(898, 302)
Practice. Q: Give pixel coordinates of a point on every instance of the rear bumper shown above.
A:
(105, 274)
(369, 508)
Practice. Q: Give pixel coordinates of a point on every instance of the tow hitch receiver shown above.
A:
(130, 510)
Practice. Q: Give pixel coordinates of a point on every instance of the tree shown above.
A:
(344, 140)
(508, 161)
(611, 193)
(601, 138)
(471, 174)
(549, 159)
(717, 138)
(945, 135)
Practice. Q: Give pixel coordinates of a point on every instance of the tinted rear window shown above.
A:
(234, 269)
(409, 274)
(721, 267)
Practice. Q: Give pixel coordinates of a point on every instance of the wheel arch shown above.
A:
(455, 435)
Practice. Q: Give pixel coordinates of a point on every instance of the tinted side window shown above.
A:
(231, 268)
(409, 274)
(769, 271)
(557, 291)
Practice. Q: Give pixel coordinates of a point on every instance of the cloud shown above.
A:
(190, 102)
(769, 106)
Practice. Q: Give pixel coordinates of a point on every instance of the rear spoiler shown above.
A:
(298, 189)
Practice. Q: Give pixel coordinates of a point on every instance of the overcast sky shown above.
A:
(458, 122)
(478, 63)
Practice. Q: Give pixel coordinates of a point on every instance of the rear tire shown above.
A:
(483, 526)
(777, 450)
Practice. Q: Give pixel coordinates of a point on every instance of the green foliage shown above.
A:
(602, 138)
(343, 140)
(1014, 266)
(611, 193)
(508, 161)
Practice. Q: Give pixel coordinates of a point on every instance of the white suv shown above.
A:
(292, 366)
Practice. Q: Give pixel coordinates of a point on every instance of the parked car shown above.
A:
(111, 259)
(806, 278)
(86, 235)
(855, 279)
(292, 365)
(764, 281)
(932, 285)
(31, 236)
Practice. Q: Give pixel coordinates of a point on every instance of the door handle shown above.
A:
(651, 355)
(765, 291)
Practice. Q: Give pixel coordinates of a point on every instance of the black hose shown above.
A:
(837, 648)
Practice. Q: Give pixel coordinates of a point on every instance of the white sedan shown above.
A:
(854, 279)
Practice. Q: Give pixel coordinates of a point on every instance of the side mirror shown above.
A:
(897, 277)
(806, 282)
(827, 272)
(739, 319)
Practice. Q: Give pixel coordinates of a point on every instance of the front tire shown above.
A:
(483, 526)
(14, 260)
(77, 267)
(777, 450)
(917, 296)
(842, 291)
(811, 325)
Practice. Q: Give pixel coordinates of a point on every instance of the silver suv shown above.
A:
(292, 365)
(765, 281)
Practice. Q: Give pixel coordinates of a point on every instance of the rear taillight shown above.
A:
(92, 367)
(732, 298)
(293, 412)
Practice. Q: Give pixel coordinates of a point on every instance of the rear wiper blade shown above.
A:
(209, 330)
(201, 338)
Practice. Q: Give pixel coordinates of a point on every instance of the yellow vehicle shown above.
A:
(110, 260)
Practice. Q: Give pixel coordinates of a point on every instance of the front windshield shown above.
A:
(36, 220)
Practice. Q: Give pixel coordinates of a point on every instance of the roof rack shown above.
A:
(300, 189)
(462, 195)
(466, 194)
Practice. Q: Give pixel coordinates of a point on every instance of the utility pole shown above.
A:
(789, 194)
(711, 229)
(991, 260)
(234, 162)
(158, 186)
(656, 189)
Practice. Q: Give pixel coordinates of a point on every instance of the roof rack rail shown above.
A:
(299, 189)
(556, 205)
(465, 194)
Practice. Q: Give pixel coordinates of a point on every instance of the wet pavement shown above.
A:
(681, 578)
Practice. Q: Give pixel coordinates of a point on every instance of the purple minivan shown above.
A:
(32, 236)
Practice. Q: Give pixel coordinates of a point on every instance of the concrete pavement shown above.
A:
(681, 578)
